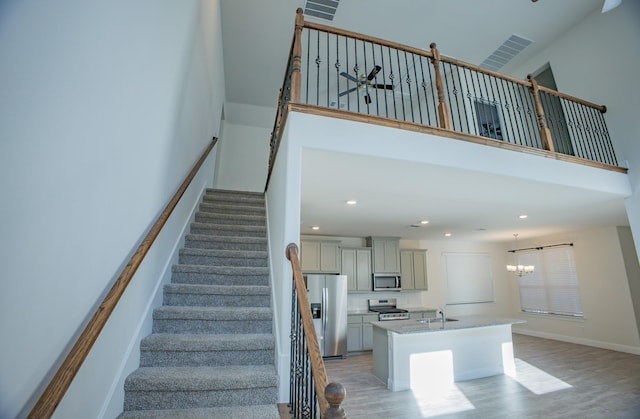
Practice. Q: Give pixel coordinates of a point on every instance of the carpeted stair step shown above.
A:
(193, 387)
(265, 411)
(226, 207)
(217, 295)
(216, 257)
(232, 219)
(228, 230)
(220, 275)
(216, 320)
(182, 350)
(203, 241)
(235, 196)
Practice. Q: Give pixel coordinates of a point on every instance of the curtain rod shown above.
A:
(540, 247)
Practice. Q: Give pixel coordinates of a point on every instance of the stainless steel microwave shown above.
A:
(387, 282)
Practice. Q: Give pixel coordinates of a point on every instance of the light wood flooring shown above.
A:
(553, 380)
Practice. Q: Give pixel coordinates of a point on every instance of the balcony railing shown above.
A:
(352, 73)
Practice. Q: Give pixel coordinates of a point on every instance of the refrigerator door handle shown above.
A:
(325, 292)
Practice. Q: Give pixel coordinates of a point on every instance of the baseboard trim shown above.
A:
(580, 341)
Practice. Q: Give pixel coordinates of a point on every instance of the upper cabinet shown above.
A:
(413, 264)
(385, 254)
(322, 256)
(356, 265)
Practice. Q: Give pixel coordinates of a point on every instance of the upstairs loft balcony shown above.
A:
(342, 74)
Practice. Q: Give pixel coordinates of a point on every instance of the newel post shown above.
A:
(296, 70)
(335, 394)
(444, 113)
(545, 132)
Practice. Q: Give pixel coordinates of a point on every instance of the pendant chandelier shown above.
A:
(518, 268)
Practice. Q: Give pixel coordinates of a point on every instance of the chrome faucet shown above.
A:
(444, 316)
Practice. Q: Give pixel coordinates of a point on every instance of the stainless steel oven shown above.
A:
(387, 282)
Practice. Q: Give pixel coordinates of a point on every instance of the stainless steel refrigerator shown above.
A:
(328, 298)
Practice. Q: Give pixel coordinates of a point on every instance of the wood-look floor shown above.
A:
(553, 380)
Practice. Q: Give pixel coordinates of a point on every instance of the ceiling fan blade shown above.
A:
(349, 76)
(374, 72)
(346, 92)
(383, 86)
(610, 4)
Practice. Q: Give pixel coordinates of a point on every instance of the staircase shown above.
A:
(211, 353)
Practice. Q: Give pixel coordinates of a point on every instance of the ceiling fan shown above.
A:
(364, 82)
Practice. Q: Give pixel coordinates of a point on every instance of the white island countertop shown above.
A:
(461, 322)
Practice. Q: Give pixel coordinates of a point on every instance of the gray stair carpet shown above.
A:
(211, 353)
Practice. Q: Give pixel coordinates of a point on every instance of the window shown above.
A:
(553, 287)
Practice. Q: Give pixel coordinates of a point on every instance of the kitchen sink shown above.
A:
(437, 320)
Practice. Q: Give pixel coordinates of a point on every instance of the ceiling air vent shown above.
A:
(505, 52)
(323, 9)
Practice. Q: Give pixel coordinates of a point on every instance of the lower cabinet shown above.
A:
(360, 332)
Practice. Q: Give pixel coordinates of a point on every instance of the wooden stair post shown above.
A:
(444, 113)
(545, 132)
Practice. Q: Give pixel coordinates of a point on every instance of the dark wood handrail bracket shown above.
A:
(59, 384)
(330, 396)
(448, 96)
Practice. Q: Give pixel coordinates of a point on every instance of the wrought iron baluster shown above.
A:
(391, 78)
(611, 156)
(404, 115)
(415, 75)
(384, 80)
(408, 80)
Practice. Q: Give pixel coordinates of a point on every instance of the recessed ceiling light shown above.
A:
(352, 202)
(523, 216)
(447, 234)
(315, 228)
(424, 222)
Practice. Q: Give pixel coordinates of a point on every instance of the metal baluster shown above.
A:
(572, 123)
(384, 80)
(415, 75)
(373, 54)
(404, 115)
(467, 77)
(328, 69)
(499, 105)
(308, 34)
(597, 150)
(447, 88)
(337, 66)
(456, 92)
(356, 68)
(346, 48)
(532, 132)
(424, 88)
(605, 138)
(408, 80)
(395, 106)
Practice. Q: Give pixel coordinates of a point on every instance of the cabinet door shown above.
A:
(367, 332)
(392, 256)
(420, 270)
(310, 256)
(363, 270)
(329, 257)
(406, 269)
(350, 268)
(354, 335)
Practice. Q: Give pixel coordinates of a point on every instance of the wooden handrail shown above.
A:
(59, 384)
(335, 390)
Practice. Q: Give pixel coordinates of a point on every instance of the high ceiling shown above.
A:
(257, 37)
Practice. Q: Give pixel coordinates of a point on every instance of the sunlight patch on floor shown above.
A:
(536, 380)
(432, 384)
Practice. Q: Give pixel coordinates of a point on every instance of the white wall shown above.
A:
(609, 317)
(598, 60)
(243, 159)
(104, 109)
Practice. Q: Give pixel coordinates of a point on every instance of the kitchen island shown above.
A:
(411, 353)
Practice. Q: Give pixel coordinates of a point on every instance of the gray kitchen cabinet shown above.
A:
(356, 264)
(385, 254)
(367, 331)
(413, 269)
(360, 332)
(322, 256)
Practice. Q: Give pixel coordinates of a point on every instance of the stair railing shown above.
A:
(309, 393)
(342, 74)
(59, 384)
